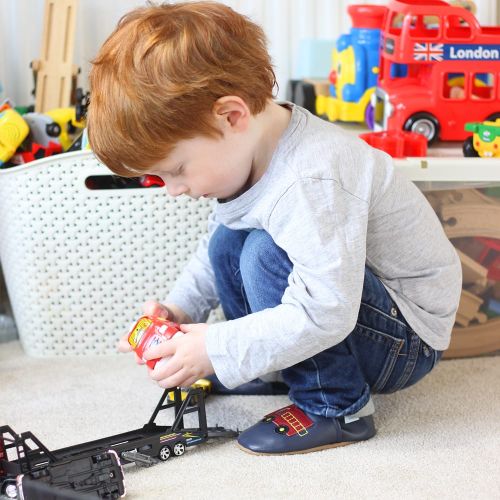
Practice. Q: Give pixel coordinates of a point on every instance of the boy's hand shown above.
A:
(153, 308)
(189, 359)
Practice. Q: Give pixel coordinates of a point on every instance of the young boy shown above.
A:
(329, 265)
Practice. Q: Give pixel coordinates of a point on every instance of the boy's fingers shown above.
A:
(161, 350)
(123, 345)
(139, 360)
(153, 308)
(166, 370)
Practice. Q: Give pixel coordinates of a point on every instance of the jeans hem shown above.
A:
(332, 411)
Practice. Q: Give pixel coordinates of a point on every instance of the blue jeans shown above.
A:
(381, 355)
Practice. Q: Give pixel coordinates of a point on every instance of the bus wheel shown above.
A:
(164, 453)
(424, 124)
(493, 117)
(468, 148)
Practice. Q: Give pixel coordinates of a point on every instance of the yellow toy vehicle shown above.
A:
(485, 141)
(204, 384)
(13, 131)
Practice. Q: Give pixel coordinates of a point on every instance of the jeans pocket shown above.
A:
(377, 353)
(421, 360)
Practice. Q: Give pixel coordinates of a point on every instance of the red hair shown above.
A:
(156, 78)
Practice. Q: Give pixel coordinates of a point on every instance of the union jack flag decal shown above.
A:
(428, 52)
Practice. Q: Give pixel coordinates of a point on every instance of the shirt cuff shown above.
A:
(224, 366)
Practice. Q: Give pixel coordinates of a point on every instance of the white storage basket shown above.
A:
(79, 263)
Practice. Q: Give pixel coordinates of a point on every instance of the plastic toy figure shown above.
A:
(150, 331)
(355, 68)
(57, 125)
(13, 131)
(485, 141)
(438, 70)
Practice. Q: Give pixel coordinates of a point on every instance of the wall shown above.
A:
(285, 22)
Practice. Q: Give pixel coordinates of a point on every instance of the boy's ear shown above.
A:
(232, 112)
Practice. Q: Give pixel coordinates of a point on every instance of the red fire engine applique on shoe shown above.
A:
(292, 430)
(289, 420)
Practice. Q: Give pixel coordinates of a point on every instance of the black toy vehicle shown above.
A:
(94, 467)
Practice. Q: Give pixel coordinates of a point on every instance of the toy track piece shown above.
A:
(468, 309)
(474, 340)
(452, 196)
(464, 219)
(473, 272)
(55, 70)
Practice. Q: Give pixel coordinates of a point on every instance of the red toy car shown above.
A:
(150, 331)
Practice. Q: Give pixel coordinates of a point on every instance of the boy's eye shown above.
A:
(178, 171)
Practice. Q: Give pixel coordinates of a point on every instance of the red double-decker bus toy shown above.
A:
(150, 331)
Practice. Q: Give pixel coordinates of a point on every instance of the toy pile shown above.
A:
(471, 219)
(26, 136)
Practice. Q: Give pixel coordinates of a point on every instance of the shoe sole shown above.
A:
(299, 452)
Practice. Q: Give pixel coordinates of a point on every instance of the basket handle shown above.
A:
(111, 182)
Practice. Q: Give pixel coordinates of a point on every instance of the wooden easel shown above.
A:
(55, 73)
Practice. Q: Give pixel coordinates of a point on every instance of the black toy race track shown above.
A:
(30, 471)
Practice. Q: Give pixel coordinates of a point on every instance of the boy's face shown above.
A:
(207, 167)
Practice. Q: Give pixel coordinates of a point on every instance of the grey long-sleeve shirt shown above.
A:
(333, 204)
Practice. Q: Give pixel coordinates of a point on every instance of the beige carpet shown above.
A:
(439, 439)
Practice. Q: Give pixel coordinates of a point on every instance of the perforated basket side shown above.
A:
(79, 263)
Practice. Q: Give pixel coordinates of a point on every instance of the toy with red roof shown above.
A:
(438, 70)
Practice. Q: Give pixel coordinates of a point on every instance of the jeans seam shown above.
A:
(388, 316)
(387, 336)
(387, 370)
(244, 297)
(410, 364)
(318, 379)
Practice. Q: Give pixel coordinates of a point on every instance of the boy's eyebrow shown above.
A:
(167, 169)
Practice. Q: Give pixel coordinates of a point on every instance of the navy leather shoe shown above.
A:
(291, 430)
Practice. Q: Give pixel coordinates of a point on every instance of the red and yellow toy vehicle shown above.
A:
(150, 331)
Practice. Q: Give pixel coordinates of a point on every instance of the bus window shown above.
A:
(424, 26)
(396, 23)
(398, 70)
(454, 86)
(457, 27)
(483, 86)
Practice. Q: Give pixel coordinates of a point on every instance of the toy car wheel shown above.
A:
(424, 124)
(164, 453)
(9, 489)
(305, 96)
(179, 449)
(290, 90)
(468, 148)
(53, 129)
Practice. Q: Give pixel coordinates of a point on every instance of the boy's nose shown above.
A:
(175, 189)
